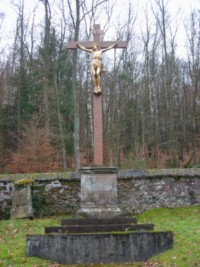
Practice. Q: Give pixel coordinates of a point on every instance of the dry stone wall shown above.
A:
(59, 193)
(163, 189)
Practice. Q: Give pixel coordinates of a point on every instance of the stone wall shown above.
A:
(59, 193)
(164, 188)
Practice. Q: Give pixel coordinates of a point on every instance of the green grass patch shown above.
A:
(183, 222)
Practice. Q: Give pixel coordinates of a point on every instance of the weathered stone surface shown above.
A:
(6, 189)
(98, 248)
(99, 192)
(108, 242)
(52, 185)
(22, 203)
(138, 195)
(125, 174)
(99, 170)
(64, 199)
(137, 191)
(100, 212)
(119, 220)
(97, 228)
(98, 225)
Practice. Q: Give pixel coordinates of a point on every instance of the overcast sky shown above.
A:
(177, 8)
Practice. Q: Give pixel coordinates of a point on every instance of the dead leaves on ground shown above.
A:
(51, 265)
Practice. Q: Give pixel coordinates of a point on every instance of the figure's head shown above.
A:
(95, 47)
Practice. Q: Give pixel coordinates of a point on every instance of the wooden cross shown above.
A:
(96, 39)
(97, 99)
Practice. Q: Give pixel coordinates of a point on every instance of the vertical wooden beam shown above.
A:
(97, 114)
(98, 129)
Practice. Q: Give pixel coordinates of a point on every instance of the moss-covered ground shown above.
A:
(184, 222)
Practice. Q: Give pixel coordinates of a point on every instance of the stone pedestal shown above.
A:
(21, 203)
(99, 192)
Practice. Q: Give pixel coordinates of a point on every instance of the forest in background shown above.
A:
(151, 95)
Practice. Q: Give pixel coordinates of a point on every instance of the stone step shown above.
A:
(103, 221)
(96, 248)
(97, 228)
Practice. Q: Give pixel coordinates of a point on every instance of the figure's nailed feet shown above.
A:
(97, 91)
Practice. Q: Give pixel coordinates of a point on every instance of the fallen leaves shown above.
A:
(150, 264)
(15, 231)
(51, 265)
(5, 230)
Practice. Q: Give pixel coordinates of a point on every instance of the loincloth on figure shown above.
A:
(97, 64)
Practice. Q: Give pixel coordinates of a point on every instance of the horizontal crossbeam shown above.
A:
(102, 45)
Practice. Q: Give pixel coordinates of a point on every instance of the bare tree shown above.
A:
(46, 65)
(167, 69)
(80, 13)
(193, 36)
(150, 121)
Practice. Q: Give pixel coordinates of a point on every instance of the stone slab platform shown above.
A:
(98, 247)
(100, 221)
(97, 228)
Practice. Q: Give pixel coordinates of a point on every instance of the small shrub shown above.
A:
(24, 181)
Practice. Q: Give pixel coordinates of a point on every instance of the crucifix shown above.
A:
(97, 47)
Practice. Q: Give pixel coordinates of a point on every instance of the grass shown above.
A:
(184, 222)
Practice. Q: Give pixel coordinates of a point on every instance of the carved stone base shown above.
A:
(99, 192)
(100, 212)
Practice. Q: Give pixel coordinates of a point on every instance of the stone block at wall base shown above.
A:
(22, 203)
(21, 212)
